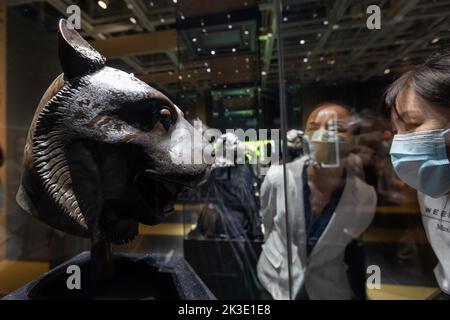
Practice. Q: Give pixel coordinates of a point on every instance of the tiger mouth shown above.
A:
(157, 192)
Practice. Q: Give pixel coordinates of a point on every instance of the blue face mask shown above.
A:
(420, 159)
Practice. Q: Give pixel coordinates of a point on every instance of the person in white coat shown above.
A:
(328, 206)
(419, 104)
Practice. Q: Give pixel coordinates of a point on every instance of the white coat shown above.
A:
(324, 272)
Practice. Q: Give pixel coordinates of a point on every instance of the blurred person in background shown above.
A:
(329, 207)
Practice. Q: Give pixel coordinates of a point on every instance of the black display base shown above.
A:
(136, 276)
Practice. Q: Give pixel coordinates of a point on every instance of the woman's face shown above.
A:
(415, 114)
(324, 125)
(330, 118)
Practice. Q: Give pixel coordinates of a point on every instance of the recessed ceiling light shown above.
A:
(233, 50)
(174, 1)
(387, 71)
(263, 73)
(305, 60)
(325, 22)
(151, 4)
(230, 26)
(213, 52)
(102, 4)
(302, 41)
(162, 20)
(208, 70)
(180, 77)
(199, 49)
(246, 32)
(133, 20)
(194, 39)
(285, 19)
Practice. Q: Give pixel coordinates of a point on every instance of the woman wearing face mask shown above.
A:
(419, 104)
(328, 205)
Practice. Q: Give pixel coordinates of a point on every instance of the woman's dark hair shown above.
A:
(430, 80)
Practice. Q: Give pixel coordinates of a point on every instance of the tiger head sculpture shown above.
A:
(100, 153)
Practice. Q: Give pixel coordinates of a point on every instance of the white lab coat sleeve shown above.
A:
(367, 211)
(268, 204)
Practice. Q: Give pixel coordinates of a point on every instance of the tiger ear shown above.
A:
(76, 56)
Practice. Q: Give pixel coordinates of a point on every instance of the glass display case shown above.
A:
(300, 200)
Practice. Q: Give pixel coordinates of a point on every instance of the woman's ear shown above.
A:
(76, 56)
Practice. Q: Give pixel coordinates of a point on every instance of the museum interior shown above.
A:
(264, 65)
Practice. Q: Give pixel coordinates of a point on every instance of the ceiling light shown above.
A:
(194, 39)
(263, 73)
(180, 77)
(246, 32)
(302, 42)
(230, 26)
(305, 60)
(233, 50)
(174, 1)
(213, 52)
(435, 40)
(237, 70)
(162, 20)
(335, 27)
(199, 49)
(208, 70)
(102, 4)
(133, 20)
(285, 19)
(325, 22)
(387, 71)
(151, 4)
